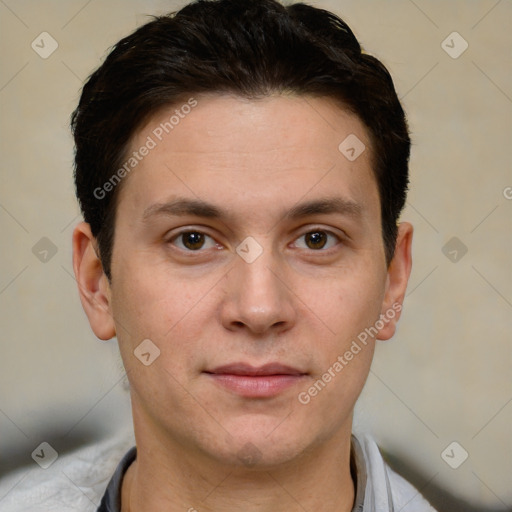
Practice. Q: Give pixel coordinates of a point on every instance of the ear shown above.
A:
(93, 285)
(399, 271)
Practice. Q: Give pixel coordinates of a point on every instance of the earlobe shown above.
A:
(399, 271)
(93, 285)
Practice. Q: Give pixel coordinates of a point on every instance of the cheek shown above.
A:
(343, 358)
(346, 304)
(166, 308)
(151, 300)
(168, 315)
(348, 307)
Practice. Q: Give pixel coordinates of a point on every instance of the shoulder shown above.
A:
(386, 489)
(76, 481)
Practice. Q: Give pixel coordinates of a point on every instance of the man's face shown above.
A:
(296, 294)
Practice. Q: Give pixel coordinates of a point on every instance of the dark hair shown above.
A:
(250, 48)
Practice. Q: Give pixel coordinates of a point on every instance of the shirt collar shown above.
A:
(111, 501)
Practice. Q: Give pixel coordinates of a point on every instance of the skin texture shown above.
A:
(199, 444)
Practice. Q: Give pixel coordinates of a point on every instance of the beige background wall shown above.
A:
(446, 376)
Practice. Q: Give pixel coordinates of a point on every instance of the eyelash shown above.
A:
(309, 232)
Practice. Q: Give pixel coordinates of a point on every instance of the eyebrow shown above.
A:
(182, 207)
(200, 208)
(326, 206)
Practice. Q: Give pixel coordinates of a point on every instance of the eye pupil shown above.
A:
(193, 240)
(316, 240)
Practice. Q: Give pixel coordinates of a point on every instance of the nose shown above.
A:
(258, 298)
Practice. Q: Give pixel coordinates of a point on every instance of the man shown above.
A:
(241, 167)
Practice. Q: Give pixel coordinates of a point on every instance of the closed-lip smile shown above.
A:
(256, 381)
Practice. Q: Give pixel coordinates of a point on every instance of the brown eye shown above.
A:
(193, 241)
(319, 241)
(316, 240)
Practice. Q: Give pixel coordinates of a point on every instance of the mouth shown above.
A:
(256, 382)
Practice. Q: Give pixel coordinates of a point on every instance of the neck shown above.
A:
(166, 476)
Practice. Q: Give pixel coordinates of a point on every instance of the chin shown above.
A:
(259, 448)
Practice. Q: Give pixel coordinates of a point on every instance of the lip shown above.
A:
(256, 382)
(246, 369)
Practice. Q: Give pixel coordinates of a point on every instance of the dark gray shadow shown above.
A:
(62, 443)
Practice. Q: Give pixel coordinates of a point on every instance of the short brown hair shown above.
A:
(252, 48)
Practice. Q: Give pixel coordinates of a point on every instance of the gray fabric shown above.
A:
(77, 480)
(359, 473)
(111, 501)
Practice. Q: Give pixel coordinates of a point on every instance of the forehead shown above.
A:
(209, 145)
